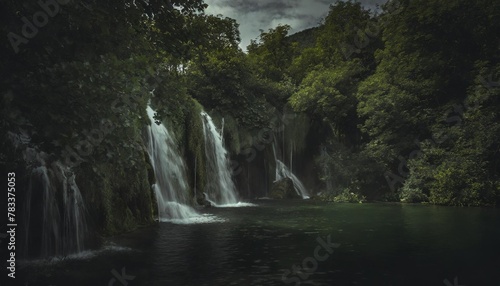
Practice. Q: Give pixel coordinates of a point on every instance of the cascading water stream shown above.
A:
(326, 169)
(220, 188)
(54, 211)
(282, 172)
(170, 172)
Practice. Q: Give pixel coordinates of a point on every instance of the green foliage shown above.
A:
(462, 168)
(410, 193)
(327, 92)
(214, 33)
(468, 174)
(398, 103)
(345, 197)
(424, 101)
(304, 39)
(172, 102)
(272, 55)
(343, 30)
(82, 83)
(307, 61)
(328, 95)
(223, 81)
(343, 168)
(349, 197)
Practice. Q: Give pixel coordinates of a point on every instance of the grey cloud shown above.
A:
(250, 6)
(265, 14)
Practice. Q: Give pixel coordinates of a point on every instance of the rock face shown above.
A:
(284, 189)
(204, 201)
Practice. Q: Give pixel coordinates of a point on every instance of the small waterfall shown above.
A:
(220, 186)
(54, 211)
(171, 187)
(326, 169)
(282, 172)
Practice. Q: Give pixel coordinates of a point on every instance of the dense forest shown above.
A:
(399, 105)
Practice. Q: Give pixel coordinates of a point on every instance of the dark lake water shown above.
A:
(296, 243)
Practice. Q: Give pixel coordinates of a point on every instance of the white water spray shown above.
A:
(170, 172)
(220, 190)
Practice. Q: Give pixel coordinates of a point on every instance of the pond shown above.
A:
(297, 242)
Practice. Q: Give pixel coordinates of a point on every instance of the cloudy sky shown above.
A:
(253, 15)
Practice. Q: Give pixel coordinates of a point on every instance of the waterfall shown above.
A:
(171, 187)
(282, 172)
(54, 211)
(220, 187)
(326, 169)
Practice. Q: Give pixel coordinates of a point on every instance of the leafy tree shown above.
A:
(329, 95)
(347, 32)
(469, 160)
(417, 72)
(272, 54)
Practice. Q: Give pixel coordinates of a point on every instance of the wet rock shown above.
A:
(283, 189)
